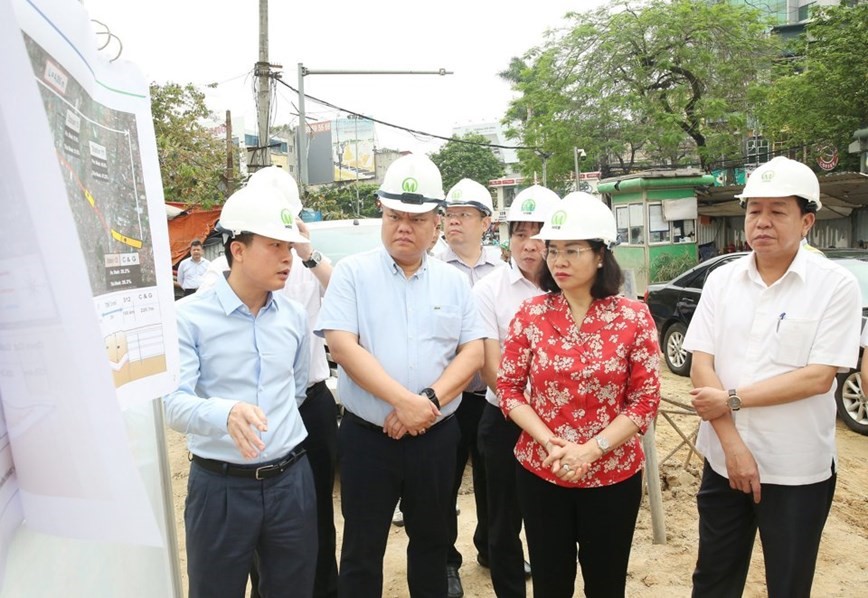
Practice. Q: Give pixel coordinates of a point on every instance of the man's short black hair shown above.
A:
(196, 243)
(514, 225)
(243, 238)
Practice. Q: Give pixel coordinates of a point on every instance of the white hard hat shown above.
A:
(782, 177)
(260, 210)
(412, 184)
(468, 192)
(533, 204)
(580, 217)
(281, 180)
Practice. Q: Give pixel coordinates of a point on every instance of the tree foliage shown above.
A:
(336, 202)
(192, 158)
(467, 158)
(820, 94)
(661, 83)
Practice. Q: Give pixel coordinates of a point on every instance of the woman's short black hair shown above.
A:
(244, 238)
(609, 278)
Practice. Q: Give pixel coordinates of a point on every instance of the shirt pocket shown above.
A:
(793, 340)
(445, 323)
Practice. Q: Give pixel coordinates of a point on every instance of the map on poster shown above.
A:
(98, 150)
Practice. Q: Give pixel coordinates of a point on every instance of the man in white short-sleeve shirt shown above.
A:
(770, 333)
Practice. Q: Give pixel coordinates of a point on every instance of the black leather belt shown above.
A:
(475, 393)
(315, 388)
(256, 472)
(350, 416)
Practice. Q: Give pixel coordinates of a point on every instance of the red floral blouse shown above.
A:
(580, 379)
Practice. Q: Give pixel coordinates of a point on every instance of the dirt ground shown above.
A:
(656, 570)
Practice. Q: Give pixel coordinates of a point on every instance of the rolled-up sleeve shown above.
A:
(642, 397)
(340, 304)
(512, 377)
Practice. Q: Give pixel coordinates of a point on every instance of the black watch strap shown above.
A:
(432, 396)
(313, 261)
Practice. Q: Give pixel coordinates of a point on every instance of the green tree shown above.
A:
(337, 202)
(820, 95)
(662, 83)
(192, 158)
(467, 157)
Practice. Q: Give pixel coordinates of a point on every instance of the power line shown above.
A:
(407, 129)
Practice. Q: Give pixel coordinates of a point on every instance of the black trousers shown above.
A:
(232, 520)
(497, 438)
(319, 414)
(376, 471)
(469, 413)
(790, 520)
(600, 520)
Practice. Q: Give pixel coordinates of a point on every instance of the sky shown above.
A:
(217, 41)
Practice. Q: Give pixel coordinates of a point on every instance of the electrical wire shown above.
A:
(413, 132)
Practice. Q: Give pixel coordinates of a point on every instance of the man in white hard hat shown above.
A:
(404, 330)
(244, 368)
(467, 216)
(770, 333)
(307, 282)
(498, 297)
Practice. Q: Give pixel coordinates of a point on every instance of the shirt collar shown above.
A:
(484, 258)
(230, 301)
(515, 274)
(393, 267)
(798, 267)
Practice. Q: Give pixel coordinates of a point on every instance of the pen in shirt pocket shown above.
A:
(780, 319)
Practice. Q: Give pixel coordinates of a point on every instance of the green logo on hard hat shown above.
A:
(768, 176)
(528, 206)
(286, 218)
(410, 185)
(558, 219)
(456, 194)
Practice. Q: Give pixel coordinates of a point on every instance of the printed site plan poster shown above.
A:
(100, 121)
(80, 302)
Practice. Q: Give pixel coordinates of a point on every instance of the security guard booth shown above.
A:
(656, 213)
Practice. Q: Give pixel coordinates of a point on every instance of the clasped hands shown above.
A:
(709, 402)
(413, 415)
(568, 460)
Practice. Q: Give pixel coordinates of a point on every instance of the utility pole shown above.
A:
(230, 164)
(262, 71)
(544, 156)
(303, 71)
(578, 154)
(358, 207)
(355, 118)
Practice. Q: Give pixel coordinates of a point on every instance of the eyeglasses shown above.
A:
(461, 215)
(570, 254)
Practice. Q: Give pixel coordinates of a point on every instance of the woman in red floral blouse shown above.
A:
(579, 375)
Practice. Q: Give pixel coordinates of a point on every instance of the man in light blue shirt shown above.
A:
(244, 367)
(405, 332)
(467, 217)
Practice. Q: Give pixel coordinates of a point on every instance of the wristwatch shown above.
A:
(314, 259)
(734, 401)
(603, 443)
(431, 395)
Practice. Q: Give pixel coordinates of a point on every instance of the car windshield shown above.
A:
(337, 239)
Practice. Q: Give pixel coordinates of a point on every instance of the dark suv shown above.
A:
(672, 305)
